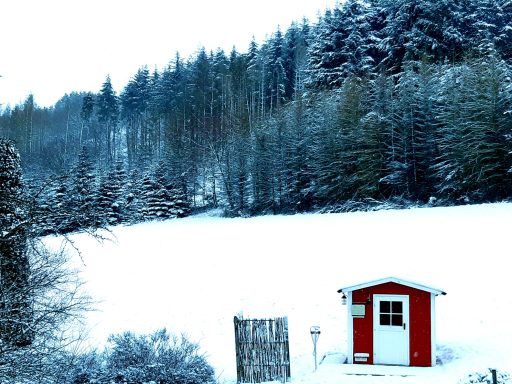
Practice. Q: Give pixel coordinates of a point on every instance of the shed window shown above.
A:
(391, 313)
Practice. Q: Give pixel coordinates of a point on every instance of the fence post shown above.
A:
(237, 349)
(494, 376)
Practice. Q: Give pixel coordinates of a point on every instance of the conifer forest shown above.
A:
(397, 101)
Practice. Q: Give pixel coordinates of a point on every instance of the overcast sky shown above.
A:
(52, 47)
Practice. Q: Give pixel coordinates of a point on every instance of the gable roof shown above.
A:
(396, 280)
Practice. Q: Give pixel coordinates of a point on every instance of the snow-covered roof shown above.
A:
(392, 280)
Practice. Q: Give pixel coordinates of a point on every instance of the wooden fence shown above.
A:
(262, 350)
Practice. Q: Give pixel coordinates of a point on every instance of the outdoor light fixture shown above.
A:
(343, 299)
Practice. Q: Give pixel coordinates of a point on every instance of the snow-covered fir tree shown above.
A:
(15, 301)
(110, 202)
(80, 202)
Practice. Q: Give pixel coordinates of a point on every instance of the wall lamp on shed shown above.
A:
(343, 299)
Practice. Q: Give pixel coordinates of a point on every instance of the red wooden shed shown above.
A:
(391, 321)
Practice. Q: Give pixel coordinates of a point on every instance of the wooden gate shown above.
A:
(262, 350)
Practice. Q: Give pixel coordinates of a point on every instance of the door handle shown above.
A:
(404, 326)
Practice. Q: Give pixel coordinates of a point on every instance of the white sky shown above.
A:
(53, 47)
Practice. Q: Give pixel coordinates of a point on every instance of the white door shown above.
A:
(391, 329)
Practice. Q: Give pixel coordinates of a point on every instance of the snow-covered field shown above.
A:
(193, 275)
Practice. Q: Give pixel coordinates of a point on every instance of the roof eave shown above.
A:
(396, 280)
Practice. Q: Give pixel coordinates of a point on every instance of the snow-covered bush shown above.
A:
(143, 359)
(486, 377)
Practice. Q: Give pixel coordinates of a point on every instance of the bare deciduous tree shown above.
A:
(41, 296)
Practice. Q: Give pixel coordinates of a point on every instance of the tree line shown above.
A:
(380, 100)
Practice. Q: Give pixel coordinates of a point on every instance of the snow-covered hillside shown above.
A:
(193, 275)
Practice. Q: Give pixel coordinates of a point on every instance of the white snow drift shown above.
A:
(193, 275)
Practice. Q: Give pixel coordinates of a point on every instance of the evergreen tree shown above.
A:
(295, 58)
(80, 202)
(141, 138)
(134, 197)
(108, 111)
(15, 300)
(40, 297)
(262, 170)
(54, 202)
(233, 153)
(255, 83)
(156, 199)
(366, 154)
(341, 46)
(474, 160)
(175, 100)
(86, 115)
(275, 71)
(411, 139)
(111, 200)
(298, 155)
(176, 202)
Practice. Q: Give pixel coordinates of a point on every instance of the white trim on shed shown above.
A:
(396, 280)
(350, 330)
(433, 346)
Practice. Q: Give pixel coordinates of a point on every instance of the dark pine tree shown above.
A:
(15, 305)
(111, 197)
(108, 113)
(155, 199)
(81, 200)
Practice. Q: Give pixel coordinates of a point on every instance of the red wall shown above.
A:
(419, 319)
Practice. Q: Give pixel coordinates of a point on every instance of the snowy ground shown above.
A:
(193, 275)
